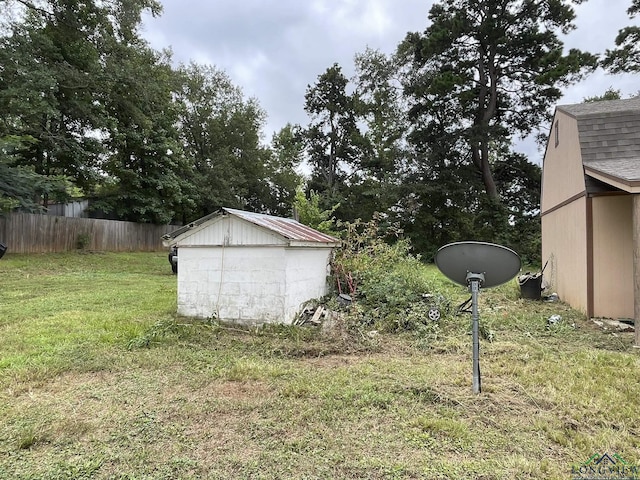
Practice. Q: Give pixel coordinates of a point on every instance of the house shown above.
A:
(590, 207)
(249, 268)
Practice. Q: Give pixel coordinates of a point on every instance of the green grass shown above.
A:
(99, 379)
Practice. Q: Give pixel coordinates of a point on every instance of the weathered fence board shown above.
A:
(32, 233)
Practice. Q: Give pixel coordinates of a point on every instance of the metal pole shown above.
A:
(476, 342)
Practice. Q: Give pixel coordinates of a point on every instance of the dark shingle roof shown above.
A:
(609, 136)
(602, 108)
(626, 169)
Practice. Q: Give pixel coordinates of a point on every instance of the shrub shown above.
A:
(385, 280)
(83, 241)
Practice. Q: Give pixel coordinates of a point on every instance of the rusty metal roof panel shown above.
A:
(287, 227)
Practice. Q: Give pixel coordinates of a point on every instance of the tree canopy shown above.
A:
(92, 102)
(493, 68)
(421, 138)
(626, 56)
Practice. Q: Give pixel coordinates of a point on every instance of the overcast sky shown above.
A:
(274, 49)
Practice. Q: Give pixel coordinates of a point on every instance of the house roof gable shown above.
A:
(609, 134)
(614, 107)
(286, 227)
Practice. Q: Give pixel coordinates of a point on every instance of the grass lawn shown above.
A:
(99, 379)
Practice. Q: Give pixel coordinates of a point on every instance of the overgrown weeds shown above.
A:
(387, 283)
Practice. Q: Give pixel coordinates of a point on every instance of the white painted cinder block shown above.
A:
(250, 285)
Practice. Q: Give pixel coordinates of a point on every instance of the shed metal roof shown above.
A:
(285, 227)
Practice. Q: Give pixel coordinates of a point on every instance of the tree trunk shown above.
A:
(480, 157)
(487, 175)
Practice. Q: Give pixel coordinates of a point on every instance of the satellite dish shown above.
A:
(476, 265)
(498, 264)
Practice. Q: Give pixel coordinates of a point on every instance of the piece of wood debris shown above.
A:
(316, 316)
(609, 324)
(620, 326)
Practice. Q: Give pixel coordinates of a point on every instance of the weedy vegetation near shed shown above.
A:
(99, 379)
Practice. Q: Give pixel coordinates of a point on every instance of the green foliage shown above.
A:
(610, 94)
(626, 56)
(146, 168)
(284, 157)
(334, 142)
(311, 214)
(94, 99)
(220, 134)
(384, 280)
(375, 183)
(83, 241)
(519, 183)
(484, 71)
(51, 70)
(21, 186)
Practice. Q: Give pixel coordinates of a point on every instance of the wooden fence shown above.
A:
(32, 233)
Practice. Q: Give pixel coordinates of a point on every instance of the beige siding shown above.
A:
(613, 257)
(564, 245)
(231, 231)
(562, 171)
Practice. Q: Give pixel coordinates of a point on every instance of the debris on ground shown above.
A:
(344, 299)
(314, 315)
(554, 320)
(327, 313)
(621, 326)
(438, 305)
(530, 285)
(551, 298)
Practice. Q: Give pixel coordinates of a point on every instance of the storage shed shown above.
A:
(249, 268)
(591, 207)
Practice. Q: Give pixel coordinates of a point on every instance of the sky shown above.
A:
(273, 50)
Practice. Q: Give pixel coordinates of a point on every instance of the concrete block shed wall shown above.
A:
(236, 284)
(306, 277)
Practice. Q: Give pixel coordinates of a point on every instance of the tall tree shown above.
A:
(286, 155)
(144, 162)
(440, 191)
(374, 184)
(497, 65)
(333, 138)
(54, 83)
(51, 68)
(221, 138)
(20, 186)
(626, 57)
